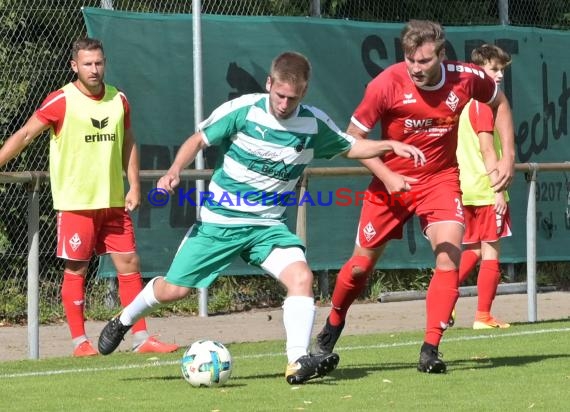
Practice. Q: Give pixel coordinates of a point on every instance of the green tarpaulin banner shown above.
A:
(150, 57)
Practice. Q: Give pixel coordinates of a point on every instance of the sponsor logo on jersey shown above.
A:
(418, 123)
(261, 131)
(459, 68)
(299, 147)
(266, 154)
(275, 170)
(100, 137)
(433, 127)
(75, 242)
(408, 98)
(368, 231)
(452, 101)
(100, 124)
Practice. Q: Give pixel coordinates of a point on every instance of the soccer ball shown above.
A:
(206, 363)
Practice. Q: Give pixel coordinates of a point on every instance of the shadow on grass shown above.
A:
(358, 372)
(362, 371)
(178, 378)
(502, 361)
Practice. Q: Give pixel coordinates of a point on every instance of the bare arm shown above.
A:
(491, 160)
(368, 152)
(21, 139)
(131, 166)
(366, 149)
(186, 155)
(504, 125)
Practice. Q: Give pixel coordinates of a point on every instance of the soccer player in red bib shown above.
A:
(487, 217)
(91, 144)
(418, 101)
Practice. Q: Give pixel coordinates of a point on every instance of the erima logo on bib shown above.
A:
(100, 137)
(100, 124)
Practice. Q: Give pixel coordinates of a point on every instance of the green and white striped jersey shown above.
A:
(262, 158)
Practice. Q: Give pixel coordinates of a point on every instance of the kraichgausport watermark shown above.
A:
(340, 197)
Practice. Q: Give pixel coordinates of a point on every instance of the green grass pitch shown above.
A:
(525, 367)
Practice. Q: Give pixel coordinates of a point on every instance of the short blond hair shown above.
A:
(290, 67)
(417, 32)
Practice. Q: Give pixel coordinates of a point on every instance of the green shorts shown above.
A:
(209, 249)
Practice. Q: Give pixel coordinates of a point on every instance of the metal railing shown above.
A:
(33, 179)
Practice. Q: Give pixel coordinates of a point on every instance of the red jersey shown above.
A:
(426, 117)
(52, 109)
(481, 118)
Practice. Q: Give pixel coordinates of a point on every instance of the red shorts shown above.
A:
(81, 233)
(383, 215)
(484, 225)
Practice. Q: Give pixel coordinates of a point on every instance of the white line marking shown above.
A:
(264, 355)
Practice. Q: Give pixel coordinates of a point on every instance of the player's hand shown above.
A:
(408, 151)
(504, 176)
(132, 200)
(500, 204)
(168, 182)
(398, 183)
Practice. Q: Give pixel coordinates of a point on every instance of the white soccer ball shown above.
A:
(206, 363)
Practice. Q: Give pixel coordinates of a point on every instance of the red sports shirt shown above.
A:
(425, 117)
(481, 118)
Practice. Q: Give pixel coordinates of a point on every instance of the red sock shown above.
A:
(487, 282)
(347, 288)
(73, 299)
(468, 261)
(129, 287)
(441, 297)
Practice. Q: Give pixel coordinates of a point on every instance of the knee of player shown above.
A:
(448, 261)
(126, 262)
(304, 278)
(300, 283)
(166, 292)
(134, 260)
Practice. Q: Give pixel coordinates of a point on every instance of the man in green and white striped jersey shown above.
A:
(266, 141)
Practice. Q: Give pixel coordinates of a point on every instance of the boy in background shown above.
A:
(487, 218)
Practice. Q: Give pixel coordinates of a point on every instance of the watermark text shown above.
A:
(340, 197)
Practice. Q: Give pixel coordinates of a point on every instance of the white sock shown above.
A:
(139, 338)
(143, 303)
(298, 319)
(78, 340)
